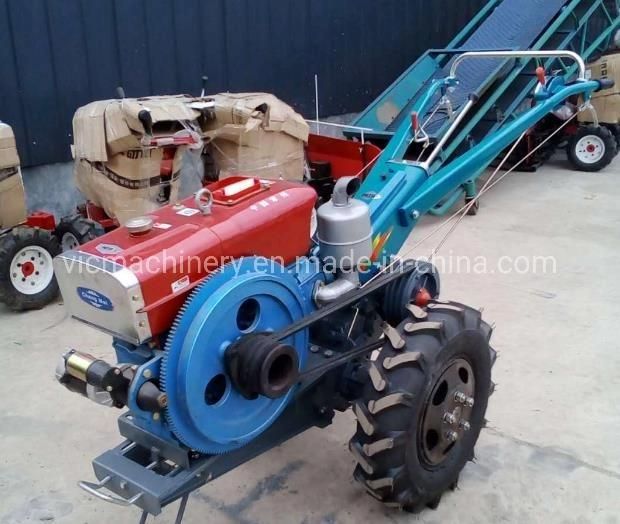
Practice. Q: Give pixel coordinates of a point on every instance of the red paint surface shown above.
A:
(97, 214)
(347, 158)
(27, 269)
(42, 220)
(423, 298)
(274, 222)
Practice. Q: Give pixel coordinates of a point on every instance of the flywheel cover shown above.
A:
(205, 411)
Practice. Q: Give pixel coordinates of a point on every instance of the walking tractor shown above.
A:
(294, 313)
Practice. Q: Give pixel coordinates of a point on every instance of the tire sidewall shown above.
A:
(13, 298)
(603, 134)
(70, 225)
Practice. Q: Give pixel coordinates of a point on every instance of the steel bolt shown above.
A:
(109, 389)
(328, 353)
(156, 416)
(452, 436)
(449, 418)
(415, 214)
(462, 398)
(464, 425)
(314, 349)
(147, 374)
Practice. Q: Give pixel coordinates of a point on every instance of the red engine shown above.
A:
(132, 281)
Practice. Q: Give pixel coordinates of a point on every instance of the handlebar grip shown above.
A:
(94, 489)
(147, 121)
(120, 92)
(606, 83)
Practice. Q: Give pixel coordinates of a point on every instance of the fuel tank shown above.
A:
(132, 281)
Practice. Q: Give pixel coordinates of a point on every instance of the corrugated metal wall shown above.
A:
(56, 55)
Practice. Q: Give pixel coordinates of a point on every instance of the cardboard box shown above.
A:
(113, 169)
(606, 102)
(163, 109)
(12, 198)
(118, 136)
(108, 127)
(129, 184)
(8, 148)
(257, 134)
(89, 140)
(267, 155)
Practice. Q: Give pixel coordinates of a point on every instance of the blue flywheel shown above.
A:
(205, 411)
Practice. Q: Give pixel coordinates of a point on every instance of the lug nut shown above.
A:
(452, 436)
(462, 398)
(464, 425)
(449, 418)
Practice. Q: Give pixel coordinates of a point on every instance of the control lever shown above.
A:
(120, 92)
(147, 121)
(541, 74)
(203, 93)
(606, 83)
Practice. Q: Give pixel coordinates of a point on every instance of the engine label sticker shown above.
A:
(371, 196)
(180, 284)
(160, 225)
(108, 249)
(95, 299)
(188, 212)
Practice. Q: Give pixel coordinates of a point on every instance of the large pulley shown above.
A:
(226, 382)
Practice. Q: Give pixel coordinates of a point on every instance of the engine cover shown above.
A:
(133, 285)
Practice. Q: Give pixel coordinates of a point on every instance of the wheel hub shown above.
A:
(448, 411)
(27, 269)
(31, 270)
(590, 149)
(69, 241)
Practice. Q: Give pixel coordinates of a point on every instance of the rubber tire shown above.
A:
(83, 229)
(10, 245)
(396, 475)
(611, 148)
(615, 130)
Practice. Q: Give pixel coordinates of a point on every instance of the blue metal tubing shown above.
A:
(461, 169)
(399, 193)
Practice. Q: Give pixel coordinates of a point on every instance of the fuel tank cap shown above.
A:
(139, 225)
